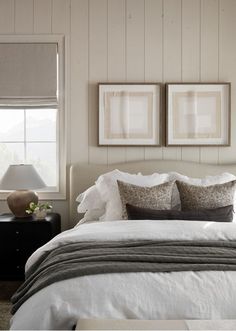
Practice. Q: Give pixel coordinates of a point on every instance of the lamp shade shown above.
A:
(21, 177)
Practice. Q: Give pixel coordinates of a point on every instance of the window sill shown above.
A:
(41, 195)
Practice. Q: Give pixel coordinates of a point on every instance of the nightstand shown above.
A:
(19, 238)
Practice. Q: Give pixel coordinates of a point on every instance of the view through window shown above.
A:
(29, 135)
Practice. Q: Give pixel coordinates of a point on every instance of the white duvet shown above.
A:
(175, 295)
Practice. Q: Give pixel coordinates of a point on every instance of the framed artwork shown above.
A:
(198, 114)
(129, 114)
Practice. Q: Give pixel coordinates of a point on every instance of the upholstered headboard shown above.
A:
(84, 175)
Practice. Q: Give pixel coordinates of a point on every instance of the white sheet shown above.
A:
(176, 295)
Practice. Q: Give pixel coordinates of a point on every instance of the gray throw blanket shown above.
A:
(91, 258)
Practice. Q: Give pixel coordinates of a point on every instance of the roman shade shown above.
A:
(28, 74)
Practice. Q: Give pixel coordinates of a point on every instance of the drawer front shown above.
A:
(12, 262)
(12, 271)
(16, 254)
(25, 234)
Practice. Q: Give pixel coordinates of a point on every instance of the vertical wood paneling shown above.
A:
(135, 56)
(153, 55)
(61, 16)
(7, 16)
(116, 59)
(79, 81)
(97, 73)
(42, 8)
(172, 56)
(209, 60)
(24, 13)
(227, 68)
(209, 40)
(61, 19)
(190, 57)
(190, 40)
(191, 154)
(135, 40)
(116, 40)
(153, 40)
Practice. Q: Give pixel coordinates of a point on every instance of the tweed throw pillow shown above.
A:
(221, 214)
(156, 197)
(199, 197)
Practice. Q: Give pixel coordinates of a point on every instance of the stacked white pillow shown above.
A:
(208, 180)
(90, 199)
(90, 203)
(102, 200)
(108, 189)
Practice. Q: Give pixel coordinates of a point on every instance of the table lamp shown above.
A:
(22, 178)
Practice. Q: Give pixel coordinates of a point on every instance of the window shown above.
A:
(29, 136)
(31, 109)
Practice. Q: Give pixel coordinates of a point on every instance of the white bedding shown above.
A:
(176, 295)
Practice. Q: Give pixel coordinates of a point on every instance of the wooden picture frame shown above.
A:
(198, 114)
(130, 114)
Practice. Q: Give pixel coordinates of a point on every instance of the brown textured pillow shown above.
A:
(156, 197)
(200, 197)
(221, 214)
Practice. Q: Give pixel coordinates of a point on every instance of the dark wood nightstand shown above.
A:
(19, 238)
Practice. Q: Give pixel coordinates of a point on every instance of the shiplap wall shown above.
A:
(147, 40)
(137, 41)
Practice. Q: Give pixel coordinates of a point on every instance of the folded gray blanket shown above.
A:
(91, 258)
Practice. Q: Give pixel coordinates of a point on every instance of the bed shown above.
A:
(145, 295)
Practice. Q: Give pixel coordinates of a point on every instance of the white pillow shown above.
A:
(91, 215)
(108, 189)
(89, 200)
(206, 181)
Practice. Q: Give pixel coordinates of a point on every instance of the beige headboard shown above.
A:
(83, 176)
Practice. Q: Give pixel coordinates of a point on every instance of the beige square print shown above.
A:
(196, 121)
(122, 129)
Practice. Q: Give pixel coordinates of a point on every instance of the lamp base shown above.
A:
(18, 202)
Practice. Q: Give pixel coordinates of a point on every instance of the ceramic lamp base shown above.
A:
(18, 202)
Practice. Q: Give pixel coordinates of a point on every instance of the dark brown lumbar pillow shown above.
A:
(221, 214)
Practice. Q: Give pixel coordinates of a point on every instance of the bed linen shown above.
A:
(106, 257)
(144, 295)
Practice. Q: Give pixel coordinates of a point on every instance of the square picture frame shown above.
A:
(130, 114)
(198, 114)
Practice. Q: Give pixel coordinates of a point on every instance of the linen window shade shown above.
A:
(28, 74)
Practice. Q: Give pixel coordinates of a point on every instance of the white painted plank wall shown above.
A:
(227, 67)
(172, 44)
(190, 59)
(79, 64)
(153, 56)
(24, 16)
(135, 56)
(97, 73)
(116, 59)
(131, 40)
(209, 62)
(7, 13)
(61, 23)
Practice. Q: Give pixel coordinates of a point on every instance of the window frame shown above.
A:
(59, 39)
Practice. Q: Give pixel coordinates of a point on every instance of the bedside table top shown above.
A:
(7, 217)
